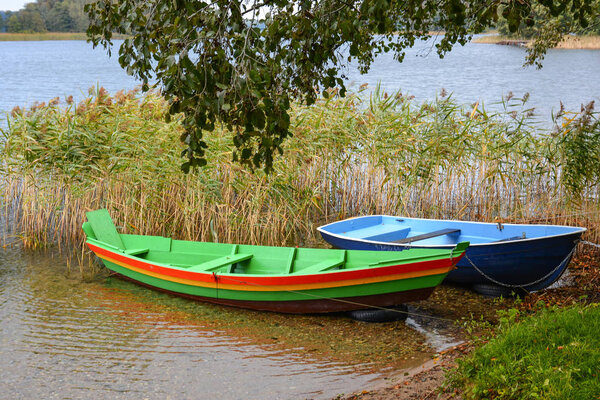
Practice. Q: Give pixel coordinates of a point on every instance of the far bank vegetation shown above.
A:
(568, 42)
(46, 16)
(542, 24)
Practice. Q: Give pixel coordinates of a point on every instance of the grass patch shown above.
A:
(553, 354)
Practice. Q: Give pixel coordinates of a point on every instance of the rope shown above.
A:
(590, 243)
(525, 284)
(222, 277)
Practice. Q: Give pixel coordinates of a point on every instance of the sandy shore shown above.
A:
(423, 382)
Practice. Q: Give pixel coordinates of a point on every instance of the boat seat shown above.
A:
(136, 252)
(428, 235)
(219, 262)
(387, 236)
(320, 267)
(104, 229)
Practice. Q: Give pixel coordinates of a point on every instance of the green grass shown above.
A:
(554, 354)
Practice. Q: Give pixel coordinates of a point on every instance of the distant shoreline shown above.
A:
(569, 42)
(19, 37)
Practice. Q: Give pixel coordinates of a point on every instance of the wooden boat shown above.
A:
(509, 256)
(283, 279)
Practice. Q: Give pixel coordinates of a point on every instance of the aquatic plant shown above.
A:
(349, 156)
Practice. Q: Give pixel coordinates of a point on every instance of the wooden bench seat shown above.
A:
(136, 252)
(324, 265)
(220, 262)
(428, 235)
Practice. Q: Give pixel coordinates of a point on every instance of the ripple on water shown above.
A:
(62, 338)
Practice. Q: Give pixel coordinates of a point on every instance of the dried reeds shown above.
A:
(347, 158)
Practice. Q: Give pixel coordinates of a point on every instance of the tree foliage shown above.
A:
(547, 29)
(241, 63)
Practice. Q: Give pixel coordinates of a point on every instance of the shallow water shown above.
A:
(64, 338)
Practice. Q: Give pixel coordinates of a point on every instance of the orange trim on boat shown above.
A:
(242, 284)
(320, 279)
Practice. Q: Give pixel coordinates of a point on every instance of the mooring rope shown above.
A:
(224, 277)
(590, 243)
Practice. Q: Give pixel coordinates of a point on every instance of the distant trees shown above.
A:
(541, 19)
(13, 24)
(48, 15)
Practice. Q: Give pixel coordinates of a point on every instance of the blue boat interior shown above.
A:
(438, 232)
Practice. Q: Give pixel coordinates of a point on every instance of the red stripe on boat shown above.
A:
(284, 279)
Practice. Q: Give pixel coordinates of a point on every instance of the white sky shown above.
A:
(12, 5)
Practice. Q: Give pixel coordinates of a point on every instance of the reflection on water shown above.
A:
(61, 338)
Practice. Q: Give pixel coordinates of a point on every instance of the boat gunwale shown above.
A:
(320, 229)
(349, 273)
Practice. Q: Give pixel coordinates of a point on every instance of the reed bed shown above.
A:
(591, 42)
(580, 42)
(348, 156)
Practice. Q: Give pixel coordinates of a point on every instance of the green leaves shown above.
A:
(239, 63)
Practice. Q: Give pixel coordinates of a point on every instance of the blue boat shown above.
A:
(500, 259)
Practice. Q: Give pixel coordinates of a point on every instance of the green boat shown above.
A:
(281, 279)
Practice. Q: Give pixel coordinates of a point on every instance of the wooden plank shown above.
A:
(290, 261)
(136, 252)
(231, 267)
(104, 228)
(320, 267)
(220, 262)
(428, 235)
(323, 265)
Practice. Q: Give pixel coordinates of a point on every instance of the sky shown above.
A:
(13, 5)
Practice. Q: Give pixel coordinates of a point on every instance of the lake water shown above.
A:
(111, 339)
(39, 71)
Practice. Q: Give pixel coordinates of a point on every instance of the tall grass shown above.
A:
(349, 156)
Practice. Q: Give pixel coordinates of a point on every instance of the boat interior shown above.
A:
(438, 232)
(241, 259)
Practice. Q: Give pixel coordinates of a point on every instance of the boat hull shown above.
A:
(531, 264)
(315, 306)
(333, 292)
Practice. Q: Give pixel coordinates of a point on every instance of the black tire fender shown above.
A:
(395, 313)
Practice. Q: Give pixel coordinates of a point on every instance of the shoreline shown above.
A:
(421, 382)
(568, 43)
(39, 37)
(428, 380)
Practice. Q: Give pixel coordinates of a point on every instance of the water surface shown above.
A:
(40, 71)
(64, 338)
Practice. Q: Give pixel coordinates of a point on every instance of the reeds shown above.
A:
(591, 42)
(348, 157)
